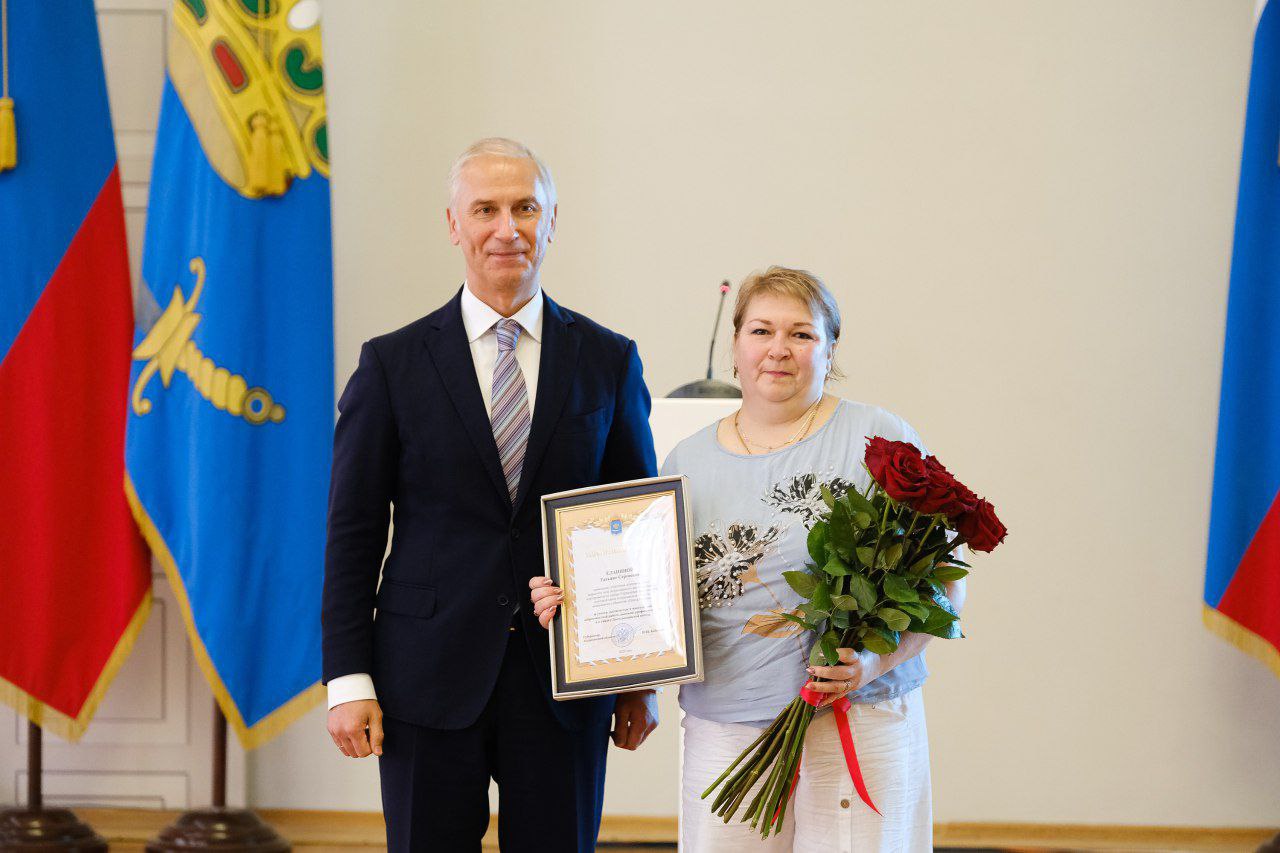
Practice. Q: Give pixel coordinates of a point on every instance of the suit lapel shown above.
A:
(555, 376)
(451, 352)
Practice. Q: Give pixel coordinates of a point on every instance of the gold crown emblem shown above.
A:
(250, 75)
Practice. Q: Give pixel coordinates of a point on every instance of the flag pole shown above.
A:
(37, 828)
(218, 828)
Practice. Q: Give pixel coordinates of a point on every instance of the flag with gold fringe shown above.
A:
(1242, 585)
(75, 578)
(231, 401)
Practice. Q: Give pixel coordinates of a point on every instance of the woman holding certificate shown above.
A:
(755, 485)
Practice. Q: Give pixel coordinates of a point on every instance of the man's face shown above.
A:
(500, 218)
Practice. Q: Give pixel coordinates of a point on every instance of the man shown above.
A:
(462, 420)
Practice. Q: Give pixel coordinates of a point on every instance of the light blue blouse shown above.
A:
(750, 523)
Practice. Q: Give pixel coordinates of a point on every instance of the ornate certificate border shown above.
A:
(598, 507)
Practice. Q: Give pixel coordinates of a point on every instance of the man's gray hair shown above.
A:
(498, 146)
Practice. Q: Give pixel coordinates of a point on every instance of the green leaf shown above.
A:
(802, 582)
(919, 611)
(817, 657)
(857, 503)
(865, 555)
(822, 596)
(897, 588)
(880, 641)
(892, 555)
(791, 617)
(948, 573)
(815, 615)
(961, 563)
(818, 542)
(827, 498)
(840, 618)
(837, 567)
(921, 567)
(840, 530)
(844, 602)
(895, 619)
(941, 623)
(828, 643)
(864, 591)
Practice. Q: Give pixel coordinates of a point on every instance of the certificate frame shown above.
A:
(614, 507)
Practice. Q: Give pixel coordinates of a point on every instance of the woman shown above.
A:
(754, 482)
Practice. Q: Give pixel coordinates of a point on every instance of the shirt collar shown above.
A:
(478, 318)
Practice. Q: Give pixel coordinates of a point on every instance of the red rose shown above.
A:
(944, 494)
(897, 467)
(980, 528)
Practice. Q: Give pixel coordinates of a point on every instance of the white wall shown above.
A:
(1025, 209)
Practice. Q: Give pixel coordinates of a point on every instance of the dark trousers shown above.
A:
(435, 783)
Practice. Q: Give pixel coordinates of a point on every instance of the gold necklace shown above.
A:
(804, 430)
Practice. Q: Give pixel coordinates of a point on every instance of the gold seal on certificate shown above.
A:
(622, 555)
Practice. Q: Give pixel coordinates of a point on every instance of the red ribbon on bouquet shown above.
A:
(841, 707)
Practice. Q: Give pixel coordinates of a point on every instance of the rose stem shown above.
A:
(730, 788)
(781, 808)
(784, 768)
(738, 760)
(766, 790)
(763, 759)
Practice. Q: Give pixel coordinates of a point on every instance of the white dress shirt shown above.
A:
(478, 319)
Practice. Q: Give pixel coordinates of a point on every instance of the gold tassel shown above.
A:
(259, 155)
(8, 136)
(268, 174)
(279, 171)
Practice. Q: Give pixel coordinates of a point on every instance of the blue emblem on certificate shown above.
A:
(615, 527)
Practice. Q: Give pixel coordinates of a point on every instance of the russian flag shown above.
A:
(75, 578)
(1242, 583)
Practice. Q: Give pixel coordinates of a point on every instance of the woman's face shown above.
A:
(781, 350)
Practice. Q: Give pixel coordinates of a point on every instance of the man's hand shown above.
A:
(635, 715)
(356, 728)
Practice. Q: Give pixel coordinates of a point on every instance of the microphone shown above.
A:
(710, 387)
(715, 328)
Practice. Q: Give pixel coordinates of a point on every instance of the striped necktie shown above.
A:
(510, 406)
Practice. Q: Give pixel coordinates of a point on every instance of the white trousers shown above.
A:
(826, 814)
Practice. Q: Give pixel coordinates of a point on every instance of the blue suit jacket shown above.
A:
(413, 434)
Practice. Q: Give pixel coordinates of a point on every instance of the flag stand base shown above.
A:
(218, 828)
(37, 830)
(224, 830)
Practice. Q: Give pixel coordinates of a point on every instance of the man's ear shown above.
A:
(551, 233)
(454, 237)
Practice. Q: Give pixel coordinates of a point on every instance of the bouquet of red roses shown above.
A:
(880, 562)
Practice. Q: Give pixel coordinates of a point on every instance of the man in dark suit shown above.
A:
(461, 421)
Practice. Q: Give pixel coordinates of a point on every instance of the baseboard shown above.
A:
(305, 828)
(1048, 836)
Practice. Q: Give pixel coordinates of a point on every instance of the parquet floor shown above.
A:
(361, 832)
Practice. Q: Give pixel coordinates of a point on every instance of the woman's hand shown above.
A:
(856, 669)
(546, 598)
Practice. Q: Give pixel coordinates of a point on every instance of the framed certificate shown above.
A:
(622, 555)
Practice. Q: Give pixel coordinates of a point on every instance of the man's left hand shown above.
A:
(635, 715)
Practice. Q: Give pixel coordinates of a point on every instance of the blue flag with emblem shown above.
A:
(231, 393)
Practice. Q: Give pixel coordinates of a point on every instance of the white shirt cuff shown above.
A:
(350, 688)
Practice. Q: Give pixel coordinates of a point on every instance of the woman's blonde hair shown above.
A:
(801, 285)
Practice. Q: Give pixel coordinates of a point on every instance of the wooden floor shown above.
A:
(362, 832)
